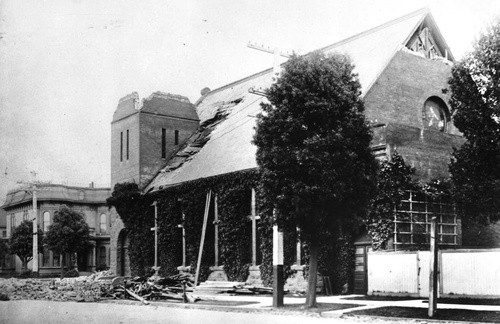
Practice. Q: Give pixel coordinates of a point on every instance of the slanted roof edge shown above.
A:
(233, 83)
(327, 48)
(438, 33)
(377, 28)
(197, 179)
(398, 48)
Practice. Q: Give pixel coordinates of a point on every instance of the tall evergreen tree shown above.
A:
(21, 242)
(313, 149)
(68, 234)
(475, 103)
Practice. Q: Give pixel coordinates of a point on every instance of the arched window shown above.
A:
(435, 114)
(103, 223)
(46, 221)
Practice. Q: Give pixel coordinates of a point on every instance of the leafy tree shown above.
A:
(475, 102)
(393, 179)
(21, 242)
(3, 249)
(313, 149)
(69, 233)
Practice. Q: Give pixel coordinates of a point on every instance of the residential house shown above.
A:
(90, 201)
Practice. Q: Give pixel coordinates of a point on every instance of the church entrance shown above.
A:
(123, 261)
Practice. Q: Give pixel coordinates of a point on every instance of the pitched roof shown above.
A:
(227, 114)
(56, 192)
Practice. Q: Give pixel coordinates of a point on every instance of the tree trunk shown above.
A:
(24, 264)
(62, 265)
(313, 273)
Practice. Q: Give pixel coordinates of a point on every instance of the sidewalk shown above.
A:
(263, 303)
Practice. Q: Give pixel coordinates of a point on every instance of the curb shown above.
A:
(416, 320)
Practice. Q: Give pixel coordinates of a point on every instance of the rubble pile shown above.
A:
(69, 289)
(178, 287)
(99, 286)
(250, 290)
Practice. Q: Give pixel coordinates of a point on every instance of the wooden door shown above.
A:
(361, 269)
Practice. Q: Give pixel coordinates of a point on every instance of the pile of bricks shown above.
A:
(80, 289)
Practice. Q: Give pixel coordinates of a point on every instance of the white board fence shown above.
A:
(462, 273)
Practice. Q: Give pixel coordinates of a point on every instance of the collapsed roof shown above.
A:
(223, 143)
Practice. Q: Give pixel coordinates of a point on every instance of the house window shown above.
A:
(56, 258)
(46, 221)
(176, 139)
(121, 146)
(46, 257)
(4, 234)
(103, 224)
(163, 143)
(412, 221)
(102, 256)
(128, 144)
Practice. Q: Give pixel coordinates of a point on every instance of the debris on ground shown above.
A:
(178, 287)
(99, 286)
(250, 290)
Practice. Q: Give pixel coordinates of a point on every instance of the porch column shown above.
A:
(94, 257)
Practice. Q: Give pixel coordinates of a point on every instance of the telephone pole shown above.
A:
(433, 273)
(278, 275)
(32, 190)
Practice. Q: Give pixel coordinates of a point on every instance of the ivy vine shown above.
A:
(234, 198)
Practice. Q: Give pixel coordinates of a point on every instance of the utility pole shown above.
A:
(278, 276)
(156, 267)
(35, 231)
(433, 273)
(32, 190)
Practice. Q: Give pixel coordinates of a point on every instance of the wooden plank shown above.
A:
(202, 241)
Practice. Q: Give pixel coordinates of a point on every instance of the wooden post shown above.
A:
(254, 230)
(278, 278)
(216, 228)
(433, 276)
(155, 229)
(35, 232)
(299, 247)
(202, 241)
(183, 240)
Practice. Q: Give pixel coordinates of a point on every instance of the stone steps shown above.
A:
(215, 287)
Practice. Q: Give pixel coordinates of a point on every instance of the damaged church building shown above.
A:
(196, 170)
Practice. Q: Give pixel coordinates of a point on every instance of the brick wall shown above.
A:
(151, 139)
(399, 94)
(160, 110)
(397, 100)
(428, 151)
(126, 170)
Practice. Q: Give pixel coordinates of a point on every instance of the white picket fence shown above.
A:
(462, 273)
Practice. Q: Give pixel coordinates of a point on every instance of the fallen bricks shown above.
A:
(103, 285)
(99, 286)
(67, 289)
(178, 287)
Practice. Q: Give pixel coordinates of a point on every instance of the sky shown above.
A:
(65, 64)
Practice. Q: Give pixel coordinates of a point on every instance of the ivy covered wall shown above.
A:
(234, 206)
